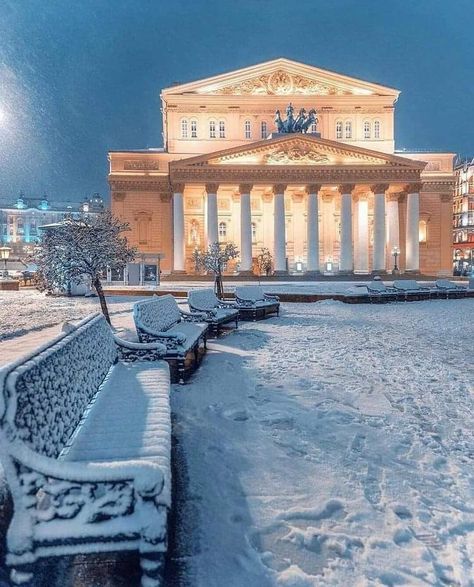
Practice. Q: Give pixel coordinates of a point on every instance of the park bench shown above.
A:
(410, 290)
(183, 333)
(216, 312)
(450, 289)
(254, 303)
(85, 438)
(379, 292)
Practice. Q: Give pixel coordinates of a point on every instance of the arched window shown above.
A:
(366, 129)
(263, 129)
(348, 129)
(184, 128)
(422, 231)
(254, 232)
(212, 129)
(248, 129)
(221, 129)
(194, 131)
(377, 129)
(222, 230)
(339, 129)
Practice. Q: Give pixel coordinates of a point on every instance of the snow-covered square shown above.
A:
(332, 446)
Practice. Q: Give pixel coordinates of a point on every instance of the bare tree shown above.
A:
(265, 262)
(80, 248)
(215, 260)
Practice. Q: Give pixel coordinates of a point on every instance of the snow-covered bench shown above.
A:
(254, 303)
(450, 289)
(409, 289)
(216, 312)
(85, 443)
(183, 333)
(379, 292)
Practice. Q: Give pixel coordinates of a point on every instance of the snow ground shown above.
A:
(332, 446)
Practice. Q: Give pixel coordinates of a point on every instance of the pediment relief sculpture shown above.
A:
(296, 156)
(281, 83)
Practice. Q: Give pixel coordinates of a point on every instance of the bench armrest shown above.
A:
(193, 316)
(271, 297)
(166, 338)
(208, 312)
(230, 305)
(139, 351)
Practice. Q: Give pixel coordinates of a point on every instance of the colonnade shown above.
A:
(354, 227)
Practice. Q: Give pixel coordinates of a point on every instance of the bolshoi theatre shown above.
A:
(292, 158)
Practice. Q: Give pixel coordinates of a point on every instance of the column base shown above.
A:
(395, 272)
(281, 272)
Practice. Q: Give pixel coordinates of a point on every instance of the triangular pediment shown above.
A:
(299, 150)
(282, 77)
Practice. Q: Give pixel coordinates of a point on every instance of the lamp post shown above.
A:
(395, 253)
(4, 254)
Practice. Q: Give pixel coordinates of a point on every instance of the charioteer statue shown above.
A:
(301, 123)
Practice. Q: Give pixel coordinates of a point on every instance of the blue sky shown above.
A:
(79, 78)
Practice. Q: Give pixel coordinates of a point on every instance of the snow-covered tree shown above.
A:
(215, 260)
(81, 248)
(265, 261)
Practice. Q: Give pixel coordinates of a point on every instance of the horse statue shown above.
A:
(299, 120)
(290, 119)
(279, 122)
(310, 119)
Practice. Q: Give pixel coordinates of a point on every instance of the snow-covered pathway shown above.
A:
(332, 446)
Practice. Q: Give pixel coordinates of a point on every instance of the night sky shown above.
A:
(80, 77)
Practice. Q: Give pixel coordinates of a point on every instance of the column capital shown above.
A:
(313, 188)
(327, 197)
(446, 198)
(178, 188)
(414, 188)
(119, 196)
(245, 188)
(395, 196)
(165, 197)
(279, 188)
(211, 188)
(346, 188)
(362, 197)
(379, 188)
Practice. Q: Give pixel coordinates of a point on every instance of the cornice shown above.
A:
(139, 183)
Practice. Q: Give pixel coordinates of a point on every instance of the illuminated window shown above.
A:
(313, 127)
(263, 130)
(348, 129)
(377, 129)
(248, 129)
(222, 230)
(254, 232)
(221, 129)
(422, 231)
(194, 132)
(184, 129)
(339, 129)
(366, 129)
(212, 129)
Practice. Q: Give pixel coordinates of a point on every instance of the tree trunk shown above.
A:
(103, 303)
(218, 286)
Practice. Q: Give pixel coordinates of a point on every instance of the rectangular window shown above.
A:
(221, 129)
(264, 131)
(194, 133)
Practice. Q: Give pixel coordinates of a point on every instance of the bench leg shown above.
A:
(181, 370)
(152, 565)
(22, 575)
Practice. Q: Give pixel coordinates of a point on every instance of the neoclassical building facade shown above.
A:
(337, 197)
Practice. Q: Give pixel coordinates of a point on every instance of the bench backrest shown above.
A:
(43, 396)
(446, 284)
(202, 299)
(158, 314)
(250, 293)
(377, 286)
(406, 284)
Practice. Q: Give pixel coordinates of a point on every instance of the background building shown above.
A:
(340, 194)
(463, 218)
(20, 219)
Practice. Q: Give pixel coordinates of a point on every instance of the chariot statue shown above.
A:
(300, 124)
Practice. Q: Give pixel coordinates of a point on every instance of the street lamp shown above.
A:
(4, 254)
(395, 253)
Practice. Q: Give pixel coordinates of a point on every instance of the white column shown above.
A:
(280, 228)
(393, 226)
(346, 262)
(178, 229)
(412, 262)
(378, 263)
(245, 228)
(362, 261)
(211, 213)
(312, 227)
